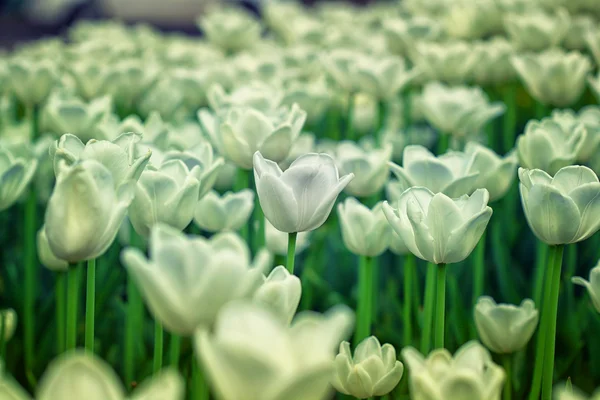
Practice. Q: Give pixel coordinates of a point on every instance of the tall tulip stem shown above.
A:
(409, 272)
(72, 303)
(443, 143)
(509, 123)
(90, 305)
(174, 350)
(429, 305)
(158, 347)
(134, 320)
(291, 253)
(60, 292)
(440, 306)
(551, 308)
(199, 388)
(350, 116)
(507, 393)
(243, 181)
(479, 268)
(364, 313)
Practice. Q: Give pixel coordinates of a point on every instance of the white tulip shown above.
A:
(450, 62)
(230, 29)
(15, 175)
(257, 95)
(592, 285)
(301, 198)
(370, 167)
(437, 228)
(537, 31)
(229, 212)
(280, 293)
(496, 174)
(365, 231)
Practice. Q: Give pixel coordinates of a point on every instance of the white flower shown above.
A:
(231, 29)
(592, 286)
(229, 212)
(496, 174)
(365, 231)
(537, 31)
(280, 293)
(370, 167)
(15, 175)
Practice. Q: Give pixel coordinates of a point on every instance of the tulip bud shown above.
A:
(562, 209)
(374, 370)
(15, 175)
(572, 123)
(470, 374)
(227, 213)
(280, 293)
(592, 286)
(365, 231)
(301, 198)
(437, 228)
(504, 328)
(370, 167)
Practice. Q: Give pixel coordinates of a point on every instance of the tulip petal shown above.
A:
(278, 203)
(312, 383)
(166, 385)
(323, 210)
(442, 217)
(276, 146)
(572, 177)
(463, 240)
(587, 199)
(389, 381)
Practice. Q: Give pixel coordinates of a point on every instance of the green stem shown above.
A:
(407, 109)
(291, 251)
(429, 306)
(131, 329)
(509, 126)
(2, 334)
(381, 119)
(259, 222)
(507, 394)
(541, 265)
(364, 314)
(551, 309)
(60, 292)
(30, 278)
(479, 268)
(175, 350)
(409, 271)
(536, 383)
(440, 306)
(90, 305)
(541, 110)
(349, 117)
(158, 346)
(242, 181)
(72, 300)
(443, 143)
(199, 386)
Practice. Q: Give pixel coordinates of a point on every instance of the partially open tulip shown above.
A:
(187, 280)
(301, 198)
(505, 328)
(570, 122)
(365, 231)
(496, 174)
(437, 228)
(85, 210)
(280, 293)
(373, 371)
(592, 286)
(470, 374)
(229, 212)
(403, 34)
(252, 355)
(561, 209)
(494, 66)
(370, 167)
(15, 175)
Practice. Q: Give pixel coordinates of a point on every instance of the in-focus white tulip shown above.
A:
(187, 280)
(15, 175)
(496, 174)
(9, 318)
(505, 328)
(592, 285)
(459, 111)
(564, 208)
(301, 198)
(365, 231)
(373, 371)
(554, 77)
(246, 131)
(449, 173)
(537, 31)
(437, 228)
(85, 210)
(550, 146)
(370, 167)
(277, 241)
(470, 374)
(280, 293)
(252, 355)
(229, 212)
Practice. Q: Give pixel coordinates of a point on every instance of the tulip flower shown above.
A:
(32, 80)
(280, 293)
(594, 83)
(494, 66)
(230, 29)
(403, 33)
(257, 95)
(537, 31)
(373, 371)
(365, 231)
(313, 96)
(227, 213)
(589, 117)
(187, 280)
(577, 36)
(561, 209)
(470, 374)
(449, 62)
(466, 20)
(569, 393)
(128, 79)
(496, 174)
(167, 195)
(295, 362)
(550, 146)
(277, 241)
(15, 175)
(593, 43)
(554, 77)
(592, 286)
(505, 328)
(448, 173)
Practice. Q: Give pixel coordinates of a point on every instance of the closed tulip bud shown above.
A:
(496, 174)
(592, 286)
(246, 131)
(229, 212)
(554, 77)
(373, 371)
(437, 228)
(45, 254)
(85, 210)
(448, 173)
(8, 323)
(167, 195)
(449, 62)
(470, 374)
(370, 167)
(32, 80)
(301, 198)
(230, 29)
(561, 209)
(365, 231)
(458, 111)
(15, 175)
(504, 328)
(537, 31)
(277, 241)
(280, 293)
(295, 362)
(546, 145)
(187, 280)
